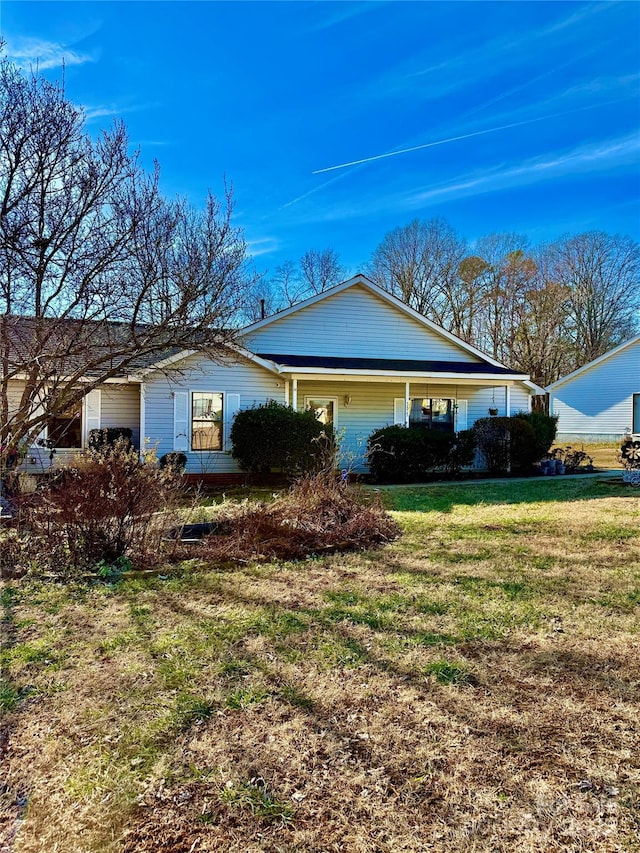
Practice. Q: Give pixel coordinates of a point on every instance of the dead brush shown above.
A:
(317, 515)
(103, 507)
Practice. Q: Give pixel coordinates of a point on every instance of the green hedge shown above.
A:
(545, 428)
(506, 444)
(398, 454)
(275, 437)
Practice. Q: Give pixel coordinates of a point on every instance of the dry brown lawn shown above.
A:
(604, 454)
(473, 687)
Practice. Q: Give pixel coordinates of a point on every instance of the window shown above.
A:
(324, 408)
(65, 429)
(432, 413)
(636, 414)
(206, 421)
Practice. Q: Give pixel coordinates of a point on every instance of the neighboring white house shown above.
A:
(601, 400)
(358, 356)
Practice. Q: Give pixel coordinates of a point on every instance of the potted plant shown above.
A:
(558, 457)
(547, 467)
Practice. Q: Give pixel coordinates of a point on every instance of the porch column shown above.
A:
(407, 396)
(143, 417)
(286, 392)
(294, 396)
(507, 400)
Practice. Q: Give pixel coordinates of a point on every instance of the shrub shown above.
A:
(492, 440)
(104, 439)
(545, 428)
(277, 437)
(463, 451)
(99, 510)
(572, 458)
(174, 461)
(506, 444)
(401, 454)
(319, 514)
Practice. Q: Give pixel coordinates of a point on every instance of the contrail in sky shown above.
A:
(458, 138)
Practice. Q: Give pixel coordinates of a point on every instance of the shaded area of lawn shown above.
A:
(474, 686)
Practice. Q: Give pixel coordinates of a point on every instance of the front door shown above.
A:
(324, 408)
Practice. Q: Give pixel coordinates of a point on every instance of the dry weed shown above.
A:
(300, 706)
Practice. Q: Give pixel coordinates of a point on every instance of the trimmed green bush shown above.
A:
(275, 437)
(545, 428)
(506, 444)
(398, 454)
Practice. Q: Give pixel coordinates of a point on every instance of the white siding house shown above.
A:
(358, 356)
(601, 400)
(116, 404)
(361, 358)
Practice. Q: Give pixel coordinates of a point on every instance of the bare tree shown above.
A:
(320, 270)
(466, 305)
(419, 263)
(602, 272)
(508, 272)
(540, 346)
(315, 272)
(97, 269)
(288, 284)
(260, 299)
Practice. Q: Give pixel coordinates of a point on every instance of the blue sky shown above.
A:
(534, 109)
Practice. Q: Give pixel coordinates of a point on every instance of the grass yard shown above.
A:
(473, 687)
(604, 454)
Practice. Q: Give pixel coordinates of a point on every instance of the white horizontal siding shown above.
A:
(120, 407)
(354, 323)
(520, 398)
(371, 407)
(14, 393)
(599, 401)
(254, 384)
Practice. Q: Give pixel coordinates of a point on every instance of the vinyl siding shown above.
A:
(354, 323)
(254, 384)
(14, 392)
(120, 407)
(598, 403)
(520, 399)
(371, 407)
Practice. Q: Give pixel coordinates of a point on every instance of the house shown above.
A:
(601, 400)
(355, 354)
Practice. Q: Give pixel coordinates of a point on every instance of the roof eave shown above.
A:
(594, 363)
(291, 370)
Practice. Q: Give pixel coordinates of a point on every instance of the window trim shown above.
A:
(329, 399)
(452, 400)
(222, 396)
(78, 417)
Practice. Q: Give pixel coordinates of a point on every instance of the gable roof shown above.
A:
(593, 363)
(363, 281)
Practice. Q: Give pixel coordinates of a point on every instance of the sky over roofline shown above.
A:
(307, 88)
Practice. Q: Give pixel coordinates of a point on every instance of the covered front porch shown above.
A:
(357, 405)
